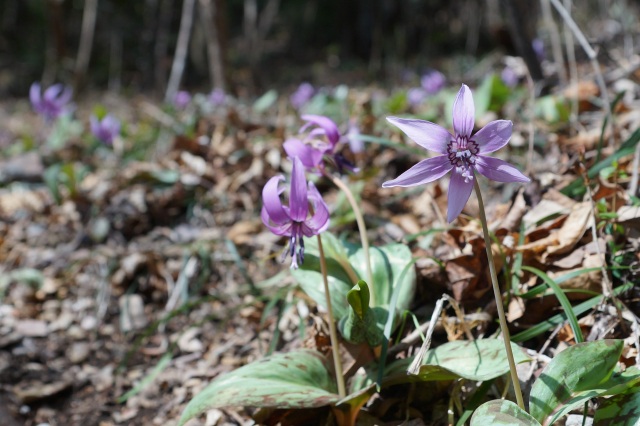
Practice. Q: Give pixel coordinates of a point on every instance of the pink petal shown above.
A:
(272, 204)
(424, 172)
(330, 128)
(463, 112)
(493, 136)
(459, 192)
(309, 156)
(282, 230)
(319, 222)
(298, 200)
(499, 170)
(426, 134)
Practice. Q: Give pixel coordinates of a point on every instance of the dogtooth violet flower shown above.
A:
(296, 220)
(302, 95)
(320, 141)
(461, 153)
(53, 102)
(181, 99)
(106, 129)
(433, 81)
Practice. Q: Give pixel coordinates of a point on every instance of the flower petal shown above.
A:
(282, 230)
(308, 155)
(424, 172)
(459, 192)
(463, 112)
(298, 200)
(52, 92)
(499, 170)
(330, 128)
(34, 95)
(426, 134)
(493, 136)
(271, 202)
(319, 222)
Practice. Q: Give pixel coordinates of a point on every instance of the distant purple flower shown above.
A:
(296, 220)
(217, 97)
(463, 153)
(433, 81)
(182, 99)
(302, 95)
(356, 144)
(538, 48)
(320, 141)
(53, 103)
(415, 96)
(509, 77)
(106, 129)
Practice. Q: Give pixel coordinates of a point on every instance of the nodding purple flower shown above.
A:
(297, 220)
(106, 129)
(217, 97)
(182, 99)
(302, 95)
(356, 144)
(415, 96)
(53, 103)
(509, 77)
(538, 48)
(462, 153)
(319, 143)
(433, 81)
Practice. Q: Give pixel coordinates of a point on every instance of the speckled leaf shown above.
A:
(501, 413)
(292, 380)
(622, 409)
(572, 375)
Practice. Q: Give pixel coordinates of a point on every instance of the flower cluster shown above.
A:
(462, 153)
(53, 103)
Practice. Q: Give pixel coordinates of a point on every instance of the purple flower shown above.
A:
(217, 97)
(538, 48)
(182, 99)
(415, 96)
(53, 103)
(432, 82)
(296, 220)
(302, 95)
(463, 153)
(509, 77)
(353, 137)
(106, 129)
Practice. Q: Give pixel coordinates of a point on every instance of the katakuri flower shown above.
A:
(217, 97)
(319, 143)
(53, 103)
(462, 153)
(182, 99)
(296, 220)
(106, 129)
(302, 95)
(433, 81)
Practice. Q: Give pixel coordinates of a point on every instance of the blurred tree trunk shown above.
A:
(521, 17)
(160, 47)
(256, 28)
(215, 53)
(180, 58)
(55, 49)
(86, 41)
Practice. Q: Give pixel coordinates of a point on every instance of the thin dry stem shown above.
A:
(335, 348)
(496, 290)
(414, 368)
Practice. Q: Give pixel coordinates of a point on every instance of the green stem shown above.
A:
(332, 324)
(361, 228)
(498, 295)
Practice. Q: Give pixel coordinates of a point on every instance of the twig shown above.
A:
(414, 368)
(186, 22)
(86, 40)
(633, 187)
(556, 47)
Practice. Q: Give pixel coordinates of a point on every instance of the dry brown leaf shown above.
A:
(573, 229)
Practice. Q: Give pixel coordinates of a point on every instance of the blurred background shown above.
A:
(248, 46)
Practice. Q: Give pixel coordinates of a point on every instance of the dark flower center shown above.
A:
(462, 153)
(296, 239)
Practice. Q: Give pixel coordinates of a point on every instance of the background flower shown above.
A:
(53, 103)
(182, 99)
(106, 129)
(433, 81)
(302, 95)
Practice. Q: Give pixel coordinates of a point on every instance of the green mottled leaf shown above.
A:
(571, 376)
(621, 410)
(502, 413)
(362, 323)
(292, 380)
(266, 101)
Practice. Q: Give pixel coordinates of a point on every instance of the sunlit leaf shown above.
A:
(502, 413)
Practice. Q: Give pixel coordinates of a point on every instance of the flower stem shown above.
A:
(332, 324)
(361, 228)
(498, 295)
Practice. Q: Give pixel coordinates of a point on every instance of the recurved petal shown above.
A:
(282, 230)
(52, 92)
(271, 202)
(34, 94)
(65, 96)
(308, 155)
(499, 170)
(463, 112)
(298, 200)
(493, 136)
(424, 172)
(425, 133)
(319, 222)
(459, 192)
(330, 128)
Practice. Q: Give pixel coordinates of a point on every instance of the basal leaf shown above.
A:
(502, 413)
(292, 380)
(621, 410)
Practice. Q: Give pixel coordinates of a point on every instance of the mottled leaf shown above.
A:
(621, 410)
(502, 413)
